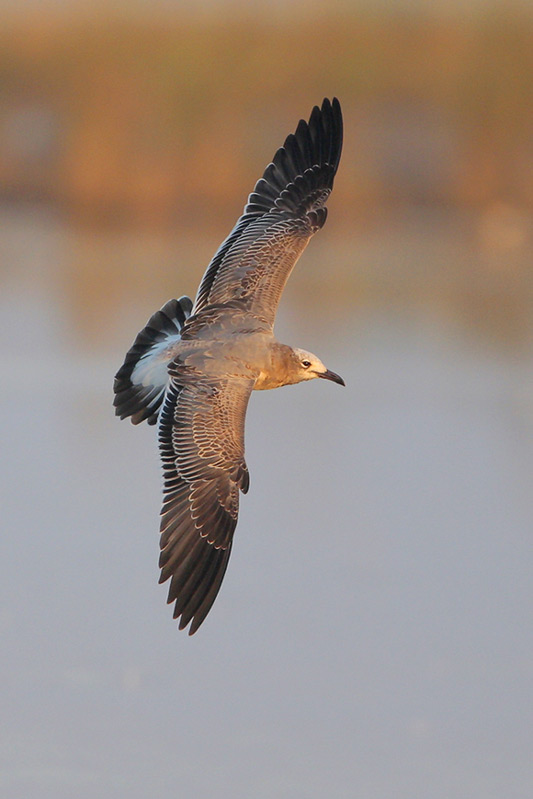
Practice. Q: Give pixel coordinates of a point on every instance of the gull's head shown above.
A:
(309, 366)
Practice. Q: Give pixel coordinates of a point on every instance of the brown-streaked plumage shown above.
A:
(193, 367)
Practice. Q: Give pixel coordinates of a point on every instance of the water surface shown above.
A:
(373, 634)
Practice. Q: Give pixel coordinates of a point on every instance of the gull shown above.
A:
(194, 366)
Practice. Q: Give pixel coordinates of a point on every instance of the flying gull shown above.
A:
(194, 366)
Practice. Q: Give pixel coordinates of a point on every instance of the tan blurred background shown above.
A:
(373, 635)
(145, 130)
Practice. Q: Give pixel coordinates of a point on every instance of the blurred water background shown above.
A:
(373, 634)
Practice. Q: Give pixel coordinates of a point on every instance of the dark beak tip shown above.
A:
(333, 376)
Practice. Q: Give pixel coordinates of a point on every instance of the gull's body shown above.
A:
(193, 367)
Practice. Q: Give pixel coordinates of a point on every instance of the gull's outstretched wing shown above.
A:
(201, 437)
(286, 207)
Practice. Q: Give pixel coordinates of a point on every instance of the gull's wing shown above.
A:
(201, 437)
(141, 381)
(286, 207)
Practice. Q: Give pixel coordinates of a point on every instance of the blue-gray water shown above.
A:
(373, 634)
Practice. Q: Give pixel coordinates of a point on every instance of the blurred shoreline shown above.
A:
(147, 121)
(471, 270)
(137, 138)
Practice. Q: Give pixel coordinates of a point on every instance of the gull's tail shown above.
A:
(141, 381)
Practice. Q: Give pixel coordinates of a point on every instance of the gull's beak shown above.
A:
(329, 375)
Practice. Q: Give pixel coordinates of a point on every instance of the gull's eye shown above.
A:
(306, 364)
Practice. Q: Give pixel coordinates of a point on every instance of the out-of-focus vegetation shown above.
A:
(143, 122)
(153, 124)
